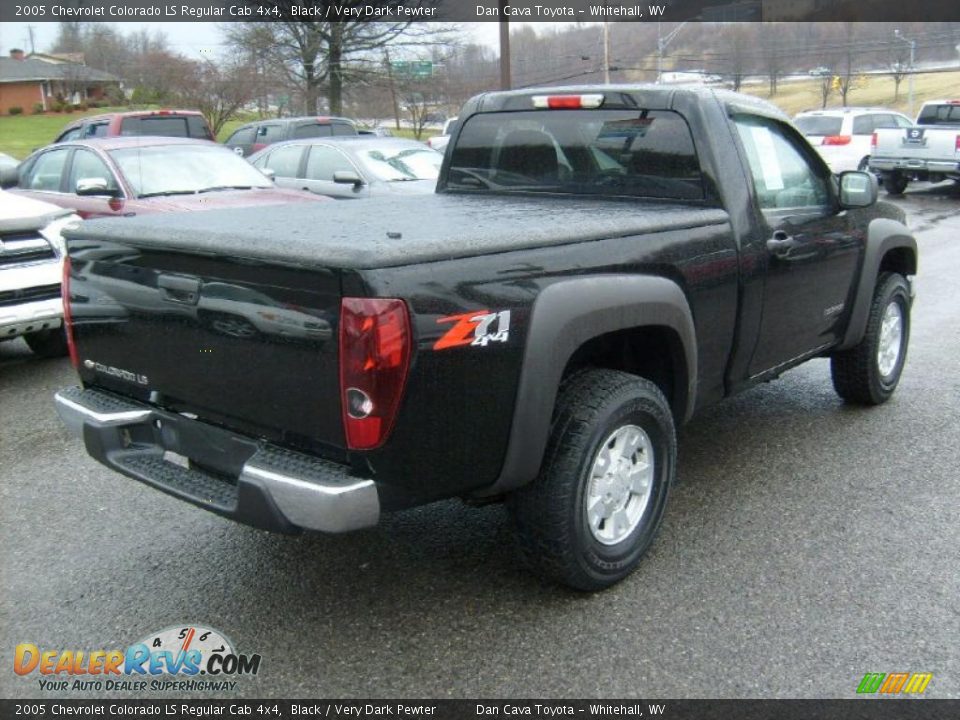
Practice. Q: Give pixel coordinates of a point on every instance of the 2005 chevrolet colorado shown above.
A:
(598, 263)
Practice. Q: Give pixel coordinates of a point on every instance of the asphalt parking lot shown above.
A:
(806, 544)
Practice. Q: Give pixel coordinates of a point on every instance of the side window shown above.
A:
(783, 176)
(325, 161)
(903, 122)
(884, 121)
(269, 134)
(285, 161)
(87, 165)
(46, 171)
(243, 136)
(71, 134)
(864, 124)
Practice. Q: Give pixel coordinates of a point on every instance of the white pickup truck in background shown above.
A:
(930, 150)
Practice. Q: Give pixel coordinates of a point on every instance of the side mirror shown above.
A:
(95, 186)
(238, 150)
(857, 189)
(268, 173)
(9, 177)
(347, 177)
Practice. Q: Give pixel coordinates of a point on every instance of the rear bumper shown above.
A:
(28, 317)
(250, 481)
(887, 164)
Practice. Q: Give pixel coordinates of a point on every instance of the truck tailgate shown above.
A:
(237, 342)
(918, 142)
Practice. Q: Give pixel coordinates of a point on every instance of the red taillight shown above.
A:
(374, 358)
(956, 145)
(836, 140)
(67, 317)
(873, 140)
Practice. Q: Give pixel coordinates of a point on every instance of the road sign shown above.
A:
(418, 69)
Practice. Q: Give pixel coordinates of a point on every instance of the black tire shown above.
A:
(864, 165)
(550, 514)
(857, 374)
(895, 183)
(48, 343)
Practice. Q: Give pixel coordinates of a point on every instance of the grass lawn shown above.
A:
(875, 91)
(22, 134)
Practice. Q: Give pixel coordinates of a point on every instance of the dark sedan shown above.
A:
(133, 175)
(352, 167)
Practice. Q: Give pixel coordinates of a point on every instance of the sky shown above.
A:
(188, 38)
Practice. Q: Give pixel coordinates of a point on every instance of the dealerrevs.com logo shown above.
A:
(182, 658)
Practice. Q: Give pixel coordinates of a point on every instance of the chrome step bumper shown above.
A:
(251, 481)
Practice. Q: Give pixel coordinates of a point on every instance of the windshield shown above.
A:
(819, 125)
(185, 169)
(633, 153)
(401, 162)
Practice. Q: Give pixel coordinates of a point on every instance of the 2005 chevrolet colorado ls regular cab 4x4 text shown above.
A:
(598, 263)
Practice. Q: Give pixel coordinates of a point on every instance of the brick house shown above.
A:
(26, 81)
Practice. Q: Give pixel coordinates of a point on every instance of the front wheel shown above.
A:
(868, 373)
(593, 511)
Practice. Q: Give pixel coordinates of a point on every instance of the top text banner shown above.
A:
(479, 10)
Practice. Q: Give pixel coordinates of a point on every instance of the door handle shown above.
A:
(781, 244)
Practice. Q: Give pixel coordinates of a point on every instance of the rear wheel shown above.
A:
(895, 183)
(593, 511)
(48, 343)
(864, 165)
(869, 372)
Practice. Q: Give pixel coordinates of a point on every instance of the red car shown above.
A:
(135, 175)
(165, 123)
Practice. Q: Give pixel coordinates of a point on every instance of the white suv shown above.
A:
(31, 263)
(842, 136)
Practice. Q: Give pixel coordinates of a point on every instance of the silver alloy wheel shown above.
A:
(891, 339)
(620, 484)
(234, 327)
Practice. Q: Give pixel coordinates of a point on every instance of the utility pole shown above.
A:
(606, 53)
(393, 88)
(33, 49)
(505, 83)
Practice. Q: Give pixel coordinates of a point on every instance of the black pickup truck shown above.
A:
(597, 264)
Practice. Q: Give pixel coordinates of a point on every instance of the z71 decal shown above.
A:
(478, 327)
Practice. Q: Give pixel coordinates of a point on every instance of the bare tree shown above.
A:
(846, 68)
(772, 56)
(327, 55)
(898, 60)
(219, 91)
(736, 63)
(826, 87)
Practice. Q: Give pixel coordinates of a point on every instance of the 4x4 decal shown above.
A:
(477, 327)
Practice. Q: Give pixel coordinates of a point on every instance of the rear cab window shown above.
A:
(819, 125)
(342, 128)
(609, 152)
(943, 114)
(311, 130)
(160, 125)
